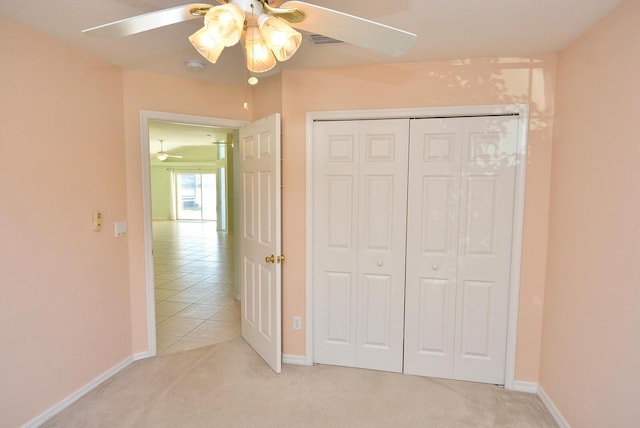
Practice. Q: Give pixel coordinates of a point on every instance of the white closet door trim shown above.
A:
(522, 110)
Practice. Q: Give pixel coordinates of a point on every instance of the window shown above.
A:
(196, 196)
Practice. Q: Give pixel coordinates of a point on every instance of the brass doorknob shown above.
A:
(280, 259)
(270, 259)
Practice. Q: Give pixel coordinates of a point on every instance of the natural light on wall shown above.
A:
(266, 38)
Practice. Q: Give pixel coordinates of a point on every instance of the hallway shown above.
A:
(194, 293)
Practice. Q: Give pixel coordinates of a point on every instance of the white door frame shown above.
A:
(522, 110)
(145, 117)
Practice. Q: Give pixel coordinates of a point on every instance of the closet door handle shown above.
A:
(379, 263)
(435, 267)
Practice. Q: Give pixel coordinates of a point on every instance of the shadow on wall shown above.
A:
(498, 81)
(480, 81)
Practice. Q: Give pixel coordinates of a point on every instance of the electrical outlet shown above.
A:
(297, 323)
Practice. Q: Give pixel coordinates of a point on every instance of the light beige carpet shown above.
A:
(228, 385)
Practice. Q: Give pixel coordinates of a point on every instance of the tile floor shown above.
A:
(195, 304)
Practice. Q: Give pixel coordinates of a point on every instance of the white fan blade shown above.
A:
(148, 21)
(175, 156)
(352, 29)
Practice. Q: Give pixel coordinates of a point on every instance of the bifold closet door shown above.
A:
(460, 220)
(360, 184)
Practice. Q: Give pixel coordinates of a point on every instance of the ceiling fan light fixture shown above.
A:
(208, 46)
(259, 56)
(162, 156)
(283, 40)
(225, 22)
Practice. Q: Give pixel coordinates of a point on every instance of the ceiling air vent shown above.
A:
(319, 39)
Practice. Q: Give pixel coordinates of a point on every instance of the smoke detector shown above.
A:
(194, 65)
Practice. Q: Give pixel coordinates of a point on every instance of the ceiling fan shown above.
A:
(163, 156)
(265, 31)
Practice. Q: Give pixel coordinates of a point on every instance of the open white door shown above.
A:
(260, 238)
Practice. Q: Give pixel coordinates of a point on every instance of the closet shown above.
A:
(412, 236)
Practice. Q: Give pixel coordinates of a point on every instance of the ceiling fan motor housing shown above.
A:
(251, 8)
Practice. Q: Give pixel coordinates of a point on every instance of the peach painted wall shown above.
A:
(528, 80)
(64, 289)
(147, 91)
(266, 97)
(590, 361)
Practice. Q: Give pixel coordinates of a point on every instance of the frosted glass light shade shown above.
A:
(259, 56)
(283, 40)
(209, 47)
(225, 22)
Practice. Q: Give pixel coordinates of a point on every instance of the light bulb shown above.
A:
(208, 46)
(259, 57)
(225, 22)
(283, 40)
(253, 80)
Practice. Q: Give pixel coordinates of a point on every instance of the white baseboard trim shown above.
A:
(51, 412)
(522, 386)
(141, 356)
(562, 423)
(299, 360)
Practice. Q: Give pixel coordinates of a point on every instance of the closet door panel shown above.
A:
(359, 240)
(434, 181)
(484, 264)
(338, 308)
(335, 234)
(476, 318)
(425, 254)
(376, 299)
(381, 238)
(434, 301)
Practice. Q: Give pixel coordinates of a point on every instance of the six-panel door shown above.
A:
(260, 233)
(359, 227)
(461, 196)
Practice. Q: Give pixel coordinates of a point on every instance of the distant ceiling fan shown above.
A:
(163, 156)
(265, 31)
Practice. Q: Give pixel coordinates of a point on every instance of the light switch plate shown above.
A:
(97, 221)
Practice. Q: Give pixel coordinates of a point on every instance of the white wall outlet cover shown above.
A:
(121, 228)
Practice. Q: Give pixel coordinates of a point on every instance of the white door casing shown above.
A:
(521, 111)
(260, 238)
(146, 116)
(520, 116)
(360, 200)
(461, 197)
(268, 345)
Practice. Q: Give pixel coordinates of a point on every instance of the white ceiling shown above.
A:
(446, 29)
(174, 136)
